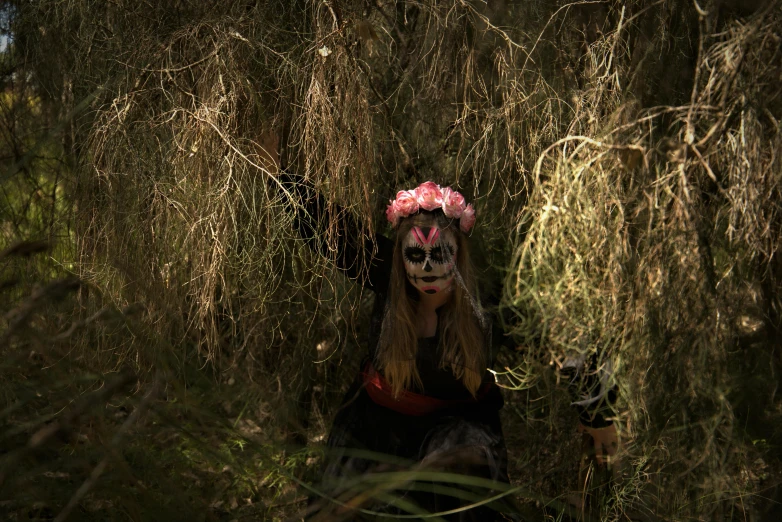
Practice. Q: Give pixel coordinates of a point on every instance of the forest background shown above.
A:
(173, 351)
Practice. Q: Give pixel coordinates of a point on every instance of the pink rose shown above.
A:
(453, 203)
(406, 202)
(468, 219)
(391, 214)
(429, 195)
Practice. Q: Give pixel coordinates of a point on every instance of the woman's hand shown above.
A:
(606, 442)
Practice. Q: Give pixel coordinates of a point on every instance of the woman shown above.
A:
(424, 398)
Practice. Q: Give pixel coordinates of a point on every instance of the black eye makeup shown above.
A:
(415, 254)
(442, 253)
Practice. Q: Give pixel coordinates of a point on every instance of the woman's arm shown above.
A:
(592, 390)
(595, 394)
(313, 217)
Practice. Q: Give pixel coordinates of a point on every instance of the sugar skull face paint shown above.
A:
(429, 255)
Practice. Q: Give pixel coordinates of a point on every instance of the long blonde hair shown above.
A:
(461, 322)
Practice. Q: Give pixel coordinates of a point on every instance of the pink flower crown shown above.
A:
(430, 196)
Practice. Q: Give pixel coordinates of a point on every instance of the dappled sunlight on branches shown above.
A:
(623, 158)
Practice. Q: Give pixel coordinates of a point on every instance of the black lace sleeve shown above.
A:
(590, 384)
(592, 388)
(310, 212)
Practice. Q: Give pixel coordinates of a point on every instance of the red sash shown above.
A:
(407, 402)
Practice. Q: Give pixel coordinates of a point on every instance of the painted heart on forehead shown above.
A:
(429, 255)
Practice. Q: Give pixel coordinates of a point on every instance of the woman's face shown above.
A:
(429, 256)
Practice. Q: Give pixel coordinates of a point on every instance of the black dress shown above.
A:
(464, 437)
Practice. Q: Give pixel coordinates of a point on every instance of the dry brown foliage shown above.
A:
(623, 157)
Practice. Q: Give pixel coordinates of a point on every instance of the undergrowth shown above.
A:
(172, 350)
